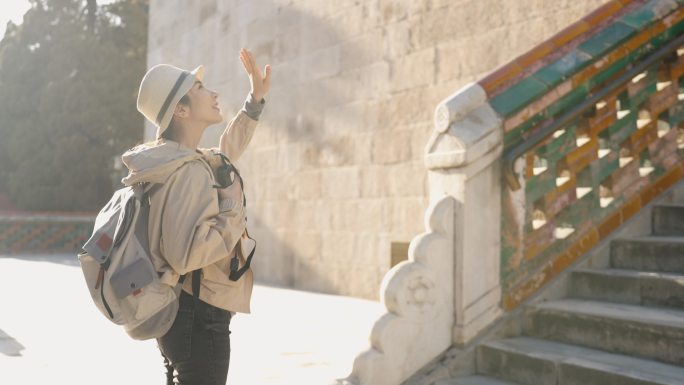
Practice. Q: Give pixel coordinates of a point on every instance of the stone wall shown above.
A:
(334, 174)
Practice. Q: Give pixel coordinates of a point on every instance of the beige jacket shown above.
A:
(190, 227)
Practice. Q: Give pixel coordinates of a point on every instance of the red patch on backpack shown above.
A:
(105, 242)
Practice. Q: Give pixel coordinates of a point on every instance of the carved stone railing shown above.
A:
(590, 137)
(41, 232)
(528, 169)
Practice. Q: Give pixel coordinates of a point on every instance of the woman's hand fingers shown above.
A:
(246, 61)
(260, 81)
(267, 78)
(252, 61)
(244, 64)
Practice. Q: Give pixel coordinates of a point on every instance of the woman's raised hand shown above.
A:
(260, 82)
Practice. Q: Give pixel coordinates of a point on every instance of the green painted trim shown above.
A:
(607, 39)
(518, 96)
(532, 87)
(554, 73)
(591, 83)
(539, 185)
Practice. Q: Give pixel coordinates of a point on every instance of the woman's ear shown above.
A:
(181, 111)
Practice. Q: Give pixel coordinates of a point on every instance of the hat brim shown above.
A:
(197, 74)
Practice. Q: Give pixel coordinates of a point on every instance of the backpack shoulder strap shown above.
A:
(196, 276)
(142, 224)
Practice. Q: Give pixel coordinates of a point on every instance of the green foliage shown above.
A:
(68, 86)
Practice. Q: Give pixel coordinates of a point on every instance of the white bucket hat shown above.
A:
(160, 90)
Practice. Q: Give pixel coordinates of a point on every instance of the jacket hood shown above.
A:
(154, 162)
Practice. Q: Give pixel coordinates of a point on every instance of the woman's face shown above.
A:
(204, 104)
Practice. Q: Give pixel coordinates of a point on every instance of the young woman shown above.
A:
(195, 224)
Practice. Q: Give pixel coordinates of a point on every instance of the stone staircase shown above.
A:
(621, 325)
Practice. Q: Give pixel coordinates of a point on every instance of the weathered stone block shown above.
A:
(320, 63)
(305, 185)
(340, 182)
(391, 146)
(362, 50)
(413, 70)
(407, 180)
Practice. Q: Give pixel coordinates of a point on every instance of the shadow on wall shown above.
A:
(286, 213)
(316, 122)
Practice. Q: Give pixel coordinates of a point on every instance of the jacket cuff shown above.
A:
(253, 107)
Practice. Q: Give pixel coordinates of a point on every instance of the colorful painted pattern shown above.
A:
(591, 175)
(44, 233)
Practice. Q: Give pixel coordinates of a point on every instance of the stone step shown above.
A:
(628, 286)
(668, 219)
(473, 380)
(647, 332)
(648, 253)
(532, 361)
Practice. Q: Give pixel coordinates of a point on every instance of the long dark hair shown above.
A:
(170, 131)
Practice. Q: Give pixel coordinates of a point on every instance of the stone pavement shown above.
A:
(51, 332)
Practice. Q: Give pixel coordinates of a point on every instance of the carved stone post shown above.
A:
(418, 295)
(463, 156)
(448, 290)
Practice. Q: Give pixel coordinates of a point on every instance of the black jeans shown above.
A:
(198, 344)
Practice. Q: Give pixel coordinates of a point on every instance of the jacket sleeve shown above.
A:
(196, 232)
(240, 129)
